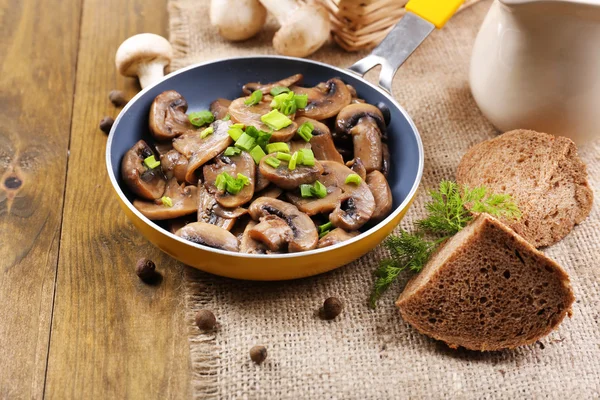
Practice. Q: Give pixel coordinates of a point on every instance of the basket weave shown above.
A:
(362, 24)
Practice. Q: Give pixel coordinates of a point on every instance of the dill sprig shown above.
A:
(451, 209)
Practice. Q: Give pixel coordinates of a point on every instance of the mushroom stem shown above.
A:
(150, 73)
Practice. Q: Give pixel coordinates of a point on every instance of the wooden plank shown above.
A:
(38, 51)
(112, 336)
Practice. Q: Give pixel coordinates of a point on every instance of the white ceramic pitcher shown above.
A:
(536, 65)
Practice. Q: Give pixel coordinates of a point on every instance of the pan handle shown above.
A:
(422, 17)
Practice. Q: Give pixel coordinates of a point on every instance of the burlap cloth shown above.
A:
(374, 354)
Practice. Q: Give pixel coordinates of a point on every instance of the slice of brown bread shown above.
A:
(487, 289)
(543, 173)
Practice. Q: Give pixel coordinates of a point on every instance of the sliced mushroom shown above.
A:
(250, 116)
(209, 210)
(142, 181)
(296, 145)
(313, 206)
(270, 191)
(365, 124)
(305, 236)
(381, 193)
(322, 141)
(168, 119)
(336, 236)
(324, 100)
(243, 164)
(220, 108)
(385, 165)
(272, 231)
(249, 245)
(261, 181)
(178, 223)
(183, 198)
(358, 167)
(356, 205)
(198, 150)
(248, 88)
(209, 235)
(174, 164)
(288, 179)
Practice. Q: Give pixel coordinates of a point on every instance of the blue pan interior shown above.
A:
(202, 84)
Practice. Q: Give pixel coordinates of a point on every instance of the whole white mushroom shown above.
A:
(237, 19)
(145, 55)
(305, 26)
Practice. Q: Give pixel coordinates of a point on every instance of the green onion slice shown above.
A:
(319, 190)
(325, 227)
(278, 146)
(208, 131)
(305, 131)
(353, 178)
(301, 100)
(284, 156)
(276, 120)
(254, 98)
(293, 161)
(306, 190)
(232, 185)
(167, 202)
(308, 157)
(322, 234)
(201, 118)
(245, 142)
(235, 131)
(227, 117)
(257, 154)
(231, 151)
(263, 139)
(151, 162)
(277, 90)
(273, 162)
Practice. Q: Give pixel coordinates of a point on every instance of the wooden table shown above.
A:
(75, 321)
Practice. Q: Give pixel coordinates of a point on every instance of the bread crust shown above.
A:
(487, 289)
(544, 175)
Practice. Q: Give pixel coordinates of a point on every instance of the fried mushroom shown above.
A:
(321, 142)
(210, 212)
(183, 201)
(250, 116)
(220, 108)
(243, 164)
(248, 88)
(381, 193)
(272, 231)
(324, 100)
(209, 235)
(168, 119)
(288, 179)
(336, 236)
(144, 182)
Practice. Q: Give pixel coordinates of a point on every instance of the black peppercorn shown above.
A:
(258, 354)
(332, 307)
(117, 98)
(205, 320)
(146, 270)
(105, 124)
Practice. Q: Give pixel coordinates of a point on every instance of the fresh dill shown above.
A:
(451, 209)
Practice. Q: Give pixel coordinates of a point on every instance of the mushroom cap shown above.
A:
(237, 19)
(350, 115)
(140, 49)
(168, 118)
(325, 100)
(303, 32)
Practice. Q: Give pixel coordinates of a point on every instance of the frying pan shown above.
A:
(200, 84)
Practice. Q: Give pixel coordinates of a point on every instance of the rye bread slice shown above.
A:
(487, 289)
(543, 173)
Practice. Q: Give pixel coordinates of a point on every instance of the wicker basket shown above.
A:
(362, 24)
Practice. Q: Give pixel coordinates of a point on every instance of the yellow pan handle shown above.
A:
(438, 12)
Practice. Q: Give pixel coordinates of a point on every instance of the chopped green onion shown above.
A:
(306, 190)
(221, 181)
(227, 117)
(252, 131)
(301, 100)
(257, 154)
(232, 151)
(233, 185)
(322, 234)
(243, 178)
(235, 131)
(208, 131)
(308, 157)
(200, 118)
(305, 131)
(319, 190)
(245, 142)
(353, 178)
(325, 227)
(300, 157)
(293, 161)
(254, 98)
(284, 156)
(276, 120)
(151, 162)
(241, 126)
(273, 162)
(277, 90)
(167, 202)
(278, 146)
(263, 139)
(285, 103)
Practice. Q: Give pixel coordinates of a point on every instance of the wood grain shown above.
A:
(38, 50)
(112, 335)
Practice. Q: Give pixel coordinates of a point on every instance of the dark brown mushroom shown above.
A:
(248, 88)
(324, 100)
(358, 167)
(381, 193)
(183, 201)
(365, 123)
(142, 181)
(209, 210)
(220, 108)
(249, 245)
(209, 235)
(322, 142)
(288, 179)
(243, 164)
(168, 119)
(305, 236)
(174, 164)
(336, 236)
(272, 231)
(385, 165)
(199, 151)
(250, 116)
(163, 148)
